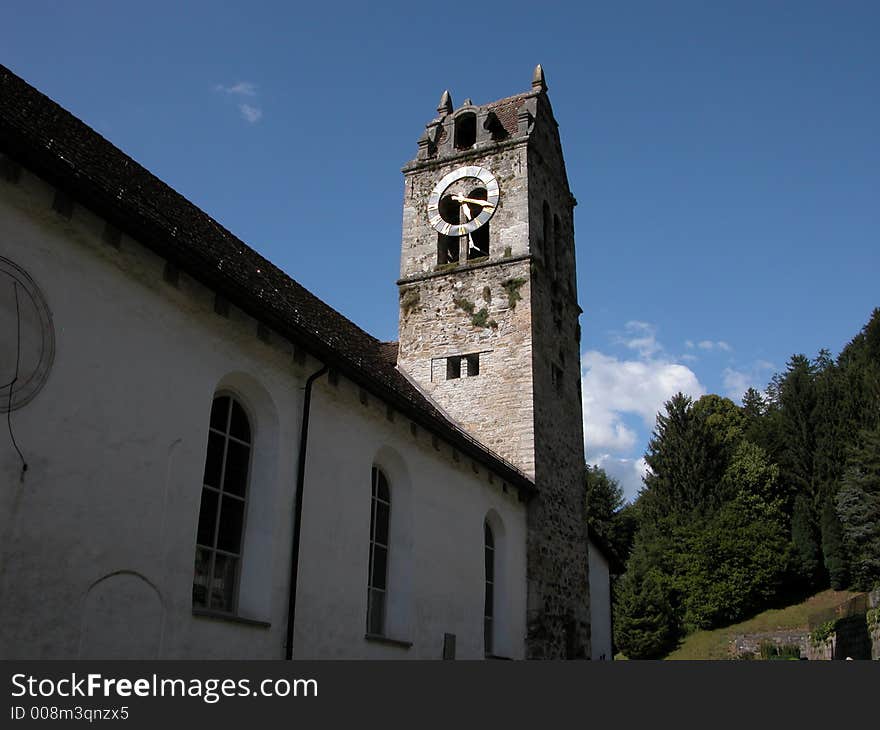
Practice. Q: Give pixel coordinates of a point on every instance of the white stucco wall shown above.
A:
(600, 605)
(97, 541)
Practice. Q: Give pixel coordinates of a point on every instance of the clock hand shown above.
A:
(477, 201)
(467, 211)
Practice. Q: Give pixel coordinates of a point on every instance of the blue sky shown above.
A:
(725, 156)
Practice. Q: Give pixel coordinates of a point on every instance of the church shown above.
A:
(201, 459)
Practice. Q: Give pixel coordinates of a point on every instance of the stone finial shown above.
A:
(538, 82)
(468, 102)
(445, 105)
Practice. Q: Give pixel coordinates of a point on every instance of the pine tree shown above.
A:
(834, 552)
(807, 558)
(858, 507)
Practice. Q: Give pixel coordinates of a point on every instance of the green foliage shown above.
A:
(512, 287)
(606, 512)
(771, 651)
(751, 474)
(806, 557)
(466, 305)
(833, 548)
(735, 564)
(823, 632)
(409, 299)
(604, 497)
(858, 507)
(479, 318)
(743, 506)
(645, 625)
(686, 458)
(872, 619)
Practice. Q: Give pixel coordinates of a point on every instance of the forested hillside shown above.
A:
(748, 506)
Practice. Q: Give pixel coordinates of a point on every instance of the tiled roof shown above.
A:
(506, 109)
(46, 138)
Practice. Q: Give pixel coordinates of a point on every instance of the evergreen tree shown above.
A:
(806, 555)
(833, 549)
(858, 507)
(797, 405)
(686, 458)
(604, 499)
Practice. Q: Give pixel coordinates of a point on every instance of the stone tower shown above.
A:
(489, 325)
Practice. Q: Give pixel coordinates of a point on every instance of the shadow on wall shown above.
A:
(121, 618)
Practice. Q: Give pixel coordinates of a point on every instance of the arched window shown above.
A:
(489, 609)
(221, 516)
(465, 131)
(377, 584)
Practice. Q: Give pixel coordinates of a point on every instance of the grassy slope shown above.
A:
(714, 644)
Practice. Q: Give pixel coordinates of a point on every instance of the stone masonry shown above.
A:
(514, 315)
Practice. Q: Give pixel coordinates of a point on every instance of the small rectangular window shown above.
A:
(453, 368)
(473, 364)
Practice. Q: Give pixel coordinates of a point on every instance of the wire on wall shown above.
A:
(11, 384)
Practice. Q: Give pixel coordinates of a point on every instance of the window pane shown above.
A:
(231, 520)
(200, 577)
(381, 523)
(490, 540)
(235, 479)
(207, 518)
(380, 560)
(487, 635)
(490, 596)
(219, 413)
(214, 460)
(239, 426)
(223, 585)
(375, 612)
(382, 487)
(490, 564)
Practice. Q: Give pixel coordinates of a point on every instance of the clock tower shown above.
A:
(489, 325)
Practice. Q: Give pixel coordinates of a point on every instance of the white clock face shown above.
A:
(459, 213)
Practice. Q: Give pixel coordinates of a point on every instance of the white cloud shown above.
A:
(711, 345)
(615, 388)
(242, 88)
(737, 382)
(641, 337)
(689, 344)
(627, 472)
(251, 113)
(689, 358)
